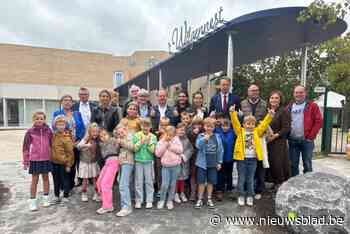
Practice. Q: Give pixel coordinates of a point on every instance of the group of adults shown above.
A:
(294, 126)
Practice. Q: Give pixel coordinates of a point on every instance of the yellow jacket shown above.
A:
(239, 152)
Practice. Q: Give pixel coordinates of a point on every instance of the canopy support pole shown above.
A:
(148, 85)
(303, 66)
(160, 79)
(230, 63)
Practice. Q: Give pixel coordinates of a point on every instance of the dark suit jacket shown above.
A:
(168, 113)
(216, 104)
(76, 105)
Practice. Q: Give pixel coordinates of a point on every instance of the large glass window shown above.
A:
(32, 106)
(50, 107)
(15, 112)
(1, 113)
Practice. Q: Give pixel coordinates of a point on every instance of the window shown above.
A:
(50, 107)
(15, 112)
(1, 113)
(118, 79)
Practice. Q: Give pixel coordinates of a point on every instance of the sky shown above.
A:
(117, 27)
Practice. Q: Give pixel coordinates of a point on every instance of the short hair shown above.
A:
(224, 78)
(197, 120)
(209, 121)
(226, 122)
(185, 113)
(66, 96)
(143, 93)
(166, 93)
(181, 125)
(106, 92)
(164, 120)
(219, 115)
(170, 128)
(145, 121)
(59, 118)
(134, 87)
(38, 112)
(83, 89)
(249, 118)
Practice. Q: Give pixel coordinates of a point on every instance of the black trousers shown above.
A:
(225, 177)
(74, 168)
(61, 180)
(259, 178)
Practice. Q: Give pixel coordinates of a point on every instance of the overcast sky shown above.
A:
(114, 26)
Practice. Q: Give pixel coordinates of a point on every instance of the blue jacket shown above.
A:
(228, 142)
(216, 104)
(79, 124)
(200, 145)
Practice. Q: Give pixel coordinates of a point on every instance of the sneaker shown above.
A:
(138, 205)
(219, 195)
(257, 196)
(250, 201)
(104, 210)
(183, 197)
(33, 205)
(46, 201)
(160, 205)
(241, 201)
(170, 205)
(149, 205)
(65, 200)
(124, 212)
(198, 204)
(84, 197)
(177, 198)
(56, 200)
(96, 197)
(210, 204)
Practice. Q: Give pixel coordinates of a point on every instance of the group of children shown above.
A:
(198, 153)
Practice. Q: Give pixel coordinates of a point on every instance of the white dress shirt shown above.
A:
(162, 110)
(84, 109)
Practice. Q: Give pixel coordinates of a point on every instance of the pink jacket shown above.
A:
(37, 144)
(170, 153)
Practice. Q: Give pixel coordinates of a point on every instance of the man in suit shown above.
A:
(85, 108)
(222, 101)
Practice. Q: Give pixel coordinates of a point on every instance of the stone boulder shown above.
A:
(311, 200)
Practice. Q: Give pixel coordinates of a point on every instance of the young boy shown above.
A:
(228, 138)
(144, 142)
(186, 118)
(62, 157)
(209, 160)
(218, 123)
(248, 150)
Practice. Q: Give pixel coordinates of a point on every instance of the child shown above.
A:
(228, 138)
(144, 142)
(185, 163)
(163, 123)
(248, 150)
(209, 160)
(186, 118)
(109, 148)
(195, 129)
(62, 157)
(219, 118)
(126, 160)
(170, 150)
(88, 167)
(36, 156)
(132, 120)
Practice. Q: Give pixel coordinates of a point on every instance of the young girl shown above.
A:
(185, 163)
(36, 156)
(109, 151)
(132, 120)
(195, 129)
(126, 160)
(208, 162)
(170, 150)
(62, 157)
(88, 167)
(144, 142)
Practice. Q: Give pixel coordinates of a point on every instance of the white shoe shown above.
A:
(177, 198)
(103, 210)
(33, 205)
(65, 200)
(84, 197)
(250, 201)
(170, 205)
(46, 201)
(257, 196)
(96, 197)
(124, 212)
(160, 205)
(149, 205)
(183, 197)
(241, 201)
(138, 205)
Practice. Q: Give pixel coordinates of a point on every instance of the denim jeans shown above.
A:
(124, 183)
(169, 177)
(246, 171)
(144, 178)
(304, 147)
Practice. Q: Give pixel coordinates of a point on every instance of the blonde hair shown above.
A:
(197, 120)
(164, 121)
(38, 112)
(209, 121)
(145, 122)
(170, 129)
(91, 126)
(249, 118)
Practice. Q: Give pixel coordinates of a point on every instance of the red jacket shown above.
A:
(312, 119)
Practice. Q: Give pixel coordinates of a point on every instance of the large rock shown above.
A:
(313, 195)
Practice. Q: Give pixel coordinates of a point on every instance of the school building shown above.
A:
(34, 78)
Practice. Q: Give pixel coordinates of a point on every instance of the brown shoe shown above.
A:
(219, 195)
